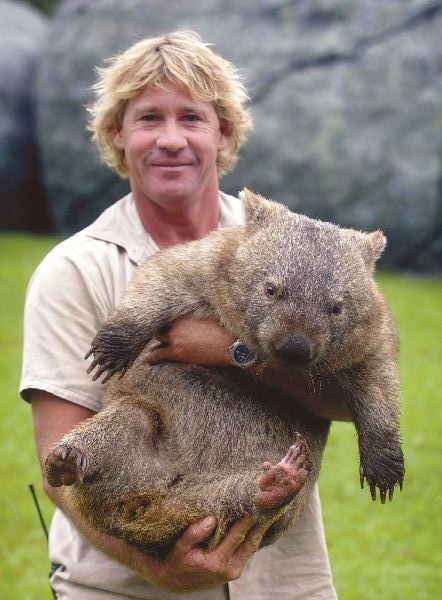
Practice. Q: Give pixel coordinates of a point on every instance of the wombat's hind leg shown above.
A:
(66, 465)
(280, 483)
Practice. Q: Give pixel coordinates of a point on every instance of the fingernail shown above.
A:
(208, 522)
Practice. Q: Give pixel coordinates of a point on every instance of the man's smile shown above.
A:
(171, 164)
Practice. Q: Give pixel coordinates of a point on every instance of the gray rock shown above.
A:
(22, 34)
(348, 119)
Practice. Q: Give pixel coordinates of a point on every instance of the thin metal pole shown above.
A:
(37, 506)
(42, 521)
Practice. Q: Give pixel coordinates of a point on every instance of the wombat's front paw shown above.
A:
(383, 471)
(108, 359)
(280, 483)
(115, 348)
(66, 465)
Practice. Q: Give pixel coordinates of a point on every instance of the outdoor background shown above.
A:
(346, 97)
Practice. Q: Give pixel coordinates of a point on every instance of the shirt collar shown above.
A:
(120, 225)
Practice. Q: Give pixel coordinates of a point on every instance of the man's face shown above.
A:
(171, 142)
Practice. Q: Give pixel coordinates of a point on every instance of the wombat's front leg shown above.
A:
(376, 416)
(382, 463)
(121, 339)
(158, 295)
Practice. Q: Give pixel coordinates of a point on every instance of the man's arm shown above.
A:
(187, 566)
(206, 342)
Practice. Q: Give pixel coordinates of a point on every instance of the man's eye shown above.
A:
(149, 117)
(191, 117)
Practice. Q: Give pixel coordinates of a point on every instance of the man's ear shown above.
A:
(225, 131)
(118, 138)
(259, 211)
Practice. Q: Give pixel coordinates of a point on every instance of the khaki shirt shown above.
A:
(72, 292)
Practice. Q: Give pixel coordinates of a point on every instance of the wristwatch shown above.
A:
(241, 355)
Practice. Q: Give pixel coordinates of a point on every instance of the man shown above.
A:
(170, 115)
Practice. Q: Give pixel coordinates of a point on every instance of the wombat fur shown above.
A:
(174, 443)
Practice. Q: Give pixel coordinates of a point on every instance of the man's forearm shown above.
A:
(206, 342)
(187, 566)
(113, 547)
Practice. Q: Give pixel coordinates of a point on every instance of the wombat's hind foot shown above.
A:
(66, 465)
(280, 483)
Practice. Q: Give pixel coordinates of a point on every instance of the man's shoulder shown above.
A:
(79, 251)
(232, 210)
(91, 250)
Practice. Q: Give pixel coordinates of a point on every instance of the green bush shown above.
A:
(46, 6)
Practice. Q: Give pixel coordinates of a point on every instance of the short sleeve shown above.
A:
(67, 301)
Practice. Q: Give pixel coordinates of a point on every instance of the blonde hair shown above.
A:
(181, 58)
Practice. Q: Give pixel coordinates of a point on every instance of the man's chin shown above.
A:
(170, 194)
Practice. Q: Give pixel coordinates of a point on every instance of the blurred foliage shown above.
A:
(46, 6)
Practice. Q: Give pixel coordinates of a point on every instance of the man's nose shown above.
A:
(171, 137)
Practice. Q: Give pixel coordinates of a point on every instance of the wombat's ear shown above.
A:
(372, 246)
(258, 209)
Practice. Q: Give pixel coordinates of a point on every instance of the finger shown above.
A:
(157, 356)
(235, 536)
(155, 343)
(251, 544)
(195, 534)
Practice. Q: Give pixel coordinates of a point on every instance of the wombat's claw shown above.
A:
(383, 488)
(108, 366)
(279, 484)
(88, 354)
(66, 465)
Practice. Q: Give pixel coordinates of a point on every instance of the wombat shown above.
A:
(174, 442)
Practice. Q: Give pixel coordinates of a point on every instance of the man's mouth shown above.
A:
(171, 164)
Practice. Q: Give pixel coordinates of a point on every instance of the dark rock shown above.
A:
(348, 119)
(22, 34)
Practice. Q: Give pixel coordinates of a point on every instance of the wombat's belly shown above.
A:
(221, 419)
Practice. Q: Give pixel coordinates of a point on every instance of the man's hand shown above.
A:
(188, 567)
(193, 341)
(206, 342)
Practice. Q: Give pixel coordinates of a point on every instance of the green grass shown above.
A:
(394, 550)
(377, 551)
(23, 562)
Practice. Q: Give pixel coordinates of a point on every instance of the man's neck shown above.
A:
(173, 225)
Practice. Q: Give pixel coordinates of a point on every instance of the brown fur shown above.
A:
(174, 443)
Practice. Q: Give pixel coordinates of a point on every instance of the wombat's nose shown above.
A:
(296, 348)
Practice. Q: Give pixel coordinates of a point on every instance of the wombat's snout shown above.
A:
(297, 349)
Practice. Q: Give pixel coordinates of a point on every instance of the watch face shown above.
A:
(243, 355)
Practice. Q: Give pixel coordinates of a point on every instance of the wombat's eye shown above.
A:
(270, 290)
(336, 308)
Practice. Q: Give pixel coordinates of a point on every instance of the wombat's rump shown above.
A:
(175, 442)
